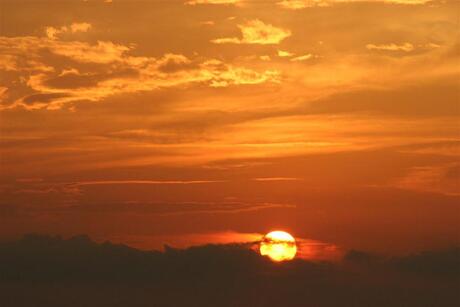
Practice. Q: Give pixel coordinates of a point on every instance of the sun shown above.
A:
(278, 246)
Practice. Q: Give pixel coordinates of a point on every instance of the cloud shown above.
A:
(177, 208)
(101, 52)
(53, 33)
(3, 91)
(423, 105)
(302, 58)
(406, 47)
(225, 2)
(441, 148)
(293, 58)
(154, 182)
(208, 23)
(282, 53)
(73, 79)
(170, 63)
(215, 274)
(8, 62)
(302, 4)
(183, 240)
(76, 188)
(277, 179)
(80, 27)
(443, 179)
(256, 32)
(29, 180)
(43, 99)
(123, 73)
(14, 62)
(74, 206)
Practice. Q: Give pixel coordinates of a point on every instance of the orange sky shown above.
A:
(187, 122)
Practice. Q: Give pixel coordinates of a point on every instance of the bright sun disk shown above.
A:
(278, 246)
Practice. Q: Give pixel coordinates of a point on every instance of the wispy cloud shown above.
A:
(40, 186)
(444, 179)
(154, 182)
(406, 47)
(157, 208)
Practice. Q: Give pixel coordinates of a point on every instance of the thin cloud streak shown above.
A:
(277, 179)
(172, 182)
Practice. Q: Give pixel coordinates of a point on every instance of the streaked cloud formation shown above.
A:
(54, 87)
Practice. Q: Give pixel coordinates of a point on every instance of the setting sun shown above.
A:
(278, 246)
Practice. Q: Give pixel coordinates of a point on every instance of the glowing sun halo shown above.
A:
(278, 246)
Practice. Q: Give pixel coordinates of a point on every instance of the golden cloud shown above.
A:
(52, 32)
(302, 58)
(123, 73)
(8, 62)
(282, 53)
(256, 32)
(301, 4)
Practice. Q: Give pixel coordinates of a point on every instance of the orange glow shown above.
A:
(278, 246)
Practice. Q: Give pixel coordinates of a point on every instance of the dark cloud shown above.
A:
(43, 98)
(175, 63)
(73, 80)
(453, 173)
(439, 98)
(128, 207)
(57, 272)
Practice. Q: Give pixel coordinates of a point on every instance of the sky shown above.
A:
(215, 121)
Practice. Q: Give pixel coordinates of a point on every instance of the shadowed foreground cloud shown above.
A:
(57, 272)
